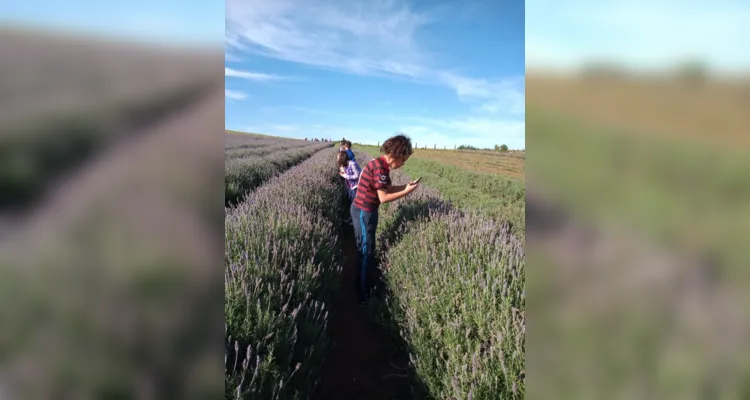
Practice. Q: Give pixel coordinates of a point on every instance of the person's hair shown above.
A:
(398, 147)
(343, 142)
(342, 159)
(348, 144)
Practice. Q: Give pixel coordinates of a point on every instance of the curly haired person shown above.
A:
(374, 188)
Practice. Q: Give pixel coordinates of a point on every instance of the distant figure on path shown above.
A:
(348, 149)
(350, 171)
(375, 188)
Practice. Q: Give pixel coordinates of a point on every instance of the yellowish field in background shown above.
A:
(637, 226)
(507, 164)
(706, 111)
(477, 161)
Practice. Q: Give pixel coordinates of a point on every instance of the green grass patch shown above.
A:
(496, 196)
(678, 192)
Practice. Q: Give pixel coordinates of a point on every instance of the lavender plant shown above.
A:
(243, 174)
(282, 267)
(457, 291)
(455, 294)
(241, 140)
(396, 216)
(249, 150)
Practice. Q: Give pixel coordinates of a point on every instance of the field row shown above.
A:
(126, 240)
(266, 149)
(110, 92)
(282, 268)
(690, 195)
(41, 151)
(455, 283)
(238, 141)
(246, 168)
(455, 279)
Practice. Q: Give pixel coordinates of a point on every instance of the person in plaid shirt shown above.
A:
(374, 188)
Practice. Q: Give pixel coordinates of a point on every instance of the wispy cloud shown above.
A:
(475, 131)
(494, 96)
(362, 37)
(446, 132)
(253, 76)
(234, 94)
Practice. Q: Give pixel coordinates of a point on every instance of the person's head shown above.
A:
(343, 142)
(397, 150)
(342, 159)
(348, 145)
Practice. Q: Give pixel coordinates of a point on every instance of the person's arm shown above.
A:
(355, 171)
(396, 188)
(386, 197)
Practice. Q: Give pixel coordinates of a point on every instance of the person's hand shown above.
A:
(412, 186)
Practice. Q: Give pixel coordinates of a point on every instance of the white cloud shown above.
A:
(495, 96)
(448, 132)
(253, 76)
(373, 38)
(360, 37)
(479, 132)
(234, 94)
(363, 37)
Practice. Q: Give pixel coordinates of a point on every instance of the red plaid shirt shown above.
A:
(375, 175)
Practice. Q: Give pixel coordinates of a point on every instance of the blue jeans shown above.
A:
(365, 224)
(352, 194)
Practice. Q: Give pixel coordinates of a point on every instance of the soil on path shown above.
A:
(363, 363)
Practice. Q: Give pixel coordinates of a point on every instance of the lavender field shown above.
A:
(109, 93)
(108, 229)
(454, 286)
(455, 295)
(282, 267)
(251, 160)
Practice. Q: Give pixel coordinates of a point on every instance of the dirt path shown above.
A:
(363, 363)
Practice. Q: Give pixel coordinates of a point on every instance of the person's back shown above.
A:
(350, 171)
(351, 175)
(348, 148)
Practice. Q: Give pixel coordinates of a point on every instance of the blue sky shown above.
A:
(184, 22)
(445, 73)
(643, 34)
